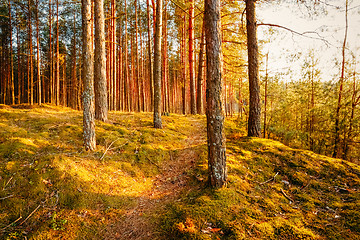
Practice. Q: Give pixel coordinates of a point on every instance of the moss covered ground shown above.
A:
(143, 183)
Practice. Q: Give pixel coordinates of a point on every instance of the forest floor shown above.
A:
(168, 186)
(146, 183)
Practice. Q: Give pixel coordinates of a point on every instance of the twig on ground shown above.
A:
(171, 157)
(271, 179)
(107, 149)
(7, 197)
(152, 162)
(7, 182)
(306, 185)
(289, 198)
(31, 214)
(12, 223)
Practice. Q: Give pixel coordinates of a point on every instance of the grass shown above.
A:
(50, 188)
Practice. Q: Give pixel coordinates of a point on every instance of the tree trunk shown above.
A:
(142, 74)
(254, 128)
(133, 92)
(191, 58)
(137, 63)
(165, 75)
(101, 104)
(266, 92)
(88, 78)
(20, 84)
(12, 87)
(149, 52)
(183, 47)
(38, 76)
(199, 102)
(157, 65)
(57, 76)
(354, 102)
(214, 110)
(120, 72)
(341, 82)
(109, 62)
(80, 83)
(31, 67)
(312, 107)
(126, 72)
(74, 83)
(113, 43)
(51, 79)
(64, 84)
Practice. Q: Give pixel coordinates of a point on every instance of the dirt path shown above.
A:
(167, 187)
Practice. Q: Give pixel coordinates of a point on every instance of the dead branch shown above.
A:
(303, 34)
(31, 214)
(12, 223)
(271, 179)
(289, 198)
(152, 162)
(6, 197)
(171, 157)
(7, 182)
(107, 149)
(306, 185)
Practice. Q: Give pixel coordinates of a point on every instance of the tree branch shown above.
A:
(303, 34)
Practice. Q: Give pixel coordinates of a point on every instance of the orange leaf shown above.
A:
(214, 230)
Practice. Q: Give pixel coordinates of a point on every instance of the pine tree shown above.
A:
(214, 110)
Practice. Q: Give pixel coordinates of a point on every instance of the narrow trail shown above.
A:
(167, 186)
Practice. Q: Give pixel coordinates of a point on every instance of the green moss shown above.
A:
(286, 231)
(42, 162)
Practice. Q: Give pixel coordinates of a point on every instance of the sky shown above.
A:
(287, 50)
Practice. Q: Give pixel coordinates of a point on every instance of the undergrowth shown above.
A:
(50, 188)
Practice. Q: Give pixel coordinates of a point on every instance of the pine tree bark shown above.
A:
(214, 110)
(191, 59)
(149, 53)
(57, 57)
(109, 61)
(254, 127)
(183, 63)
(133, 92)
(121, 71)
(74, 82)
(12, 87)
(51, 79)
(137, 60)
(64, 85)
(126, 72)
(88, 78)
(20, 84)
(101, 104)
(114, 53)
(31, 65)
(165, 75)
(38, 76)
(199, 102)
(157, 65)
